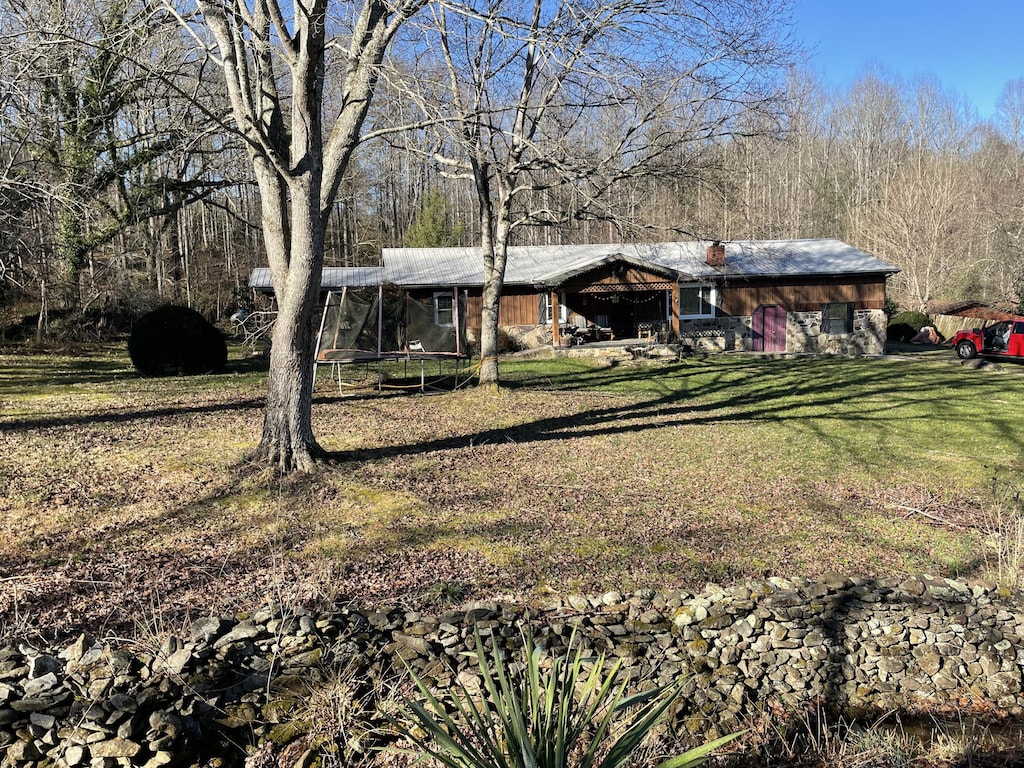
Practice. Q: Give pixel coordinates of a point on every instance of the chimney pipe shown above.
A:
(716, 254)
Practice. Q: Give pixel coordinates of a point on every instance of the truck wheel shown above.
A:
(965, 350)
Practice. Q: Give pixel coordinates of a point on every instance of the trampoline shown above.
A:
(377, 324)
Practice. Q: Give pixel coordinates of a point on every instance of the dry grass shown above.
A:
(128, 507)
(813, 738)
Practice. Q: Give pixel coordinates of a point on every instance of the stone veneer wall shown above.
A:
(529, 336)
(803, 334)
(855, 645)
(720, 334)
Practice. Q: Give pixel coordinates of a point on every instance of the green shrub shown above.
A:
(175, 340)
(905, 325)
(542, 712)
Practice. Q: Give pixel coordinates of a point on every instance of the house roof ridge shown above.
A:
(550, 265)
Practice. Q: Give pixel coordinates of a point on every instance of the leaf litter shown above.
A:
(131, 510)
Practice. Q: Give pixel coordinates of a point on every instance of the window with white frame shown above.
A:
(546, 308)
(444, 309)
(697, 300)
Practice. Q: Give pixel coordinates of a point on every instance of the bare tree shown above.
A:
(1001, 169)
(771, 181)
(552, 105)
(103, 109)
(869, 125)
(274, 63)
(921, 219)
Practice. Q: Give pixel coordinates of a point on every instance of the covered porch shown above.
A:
(613, 300)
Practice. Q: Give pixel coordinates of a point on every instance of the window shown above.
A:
(444, 309)
(545, 308)
(837, 319)
(697, 300)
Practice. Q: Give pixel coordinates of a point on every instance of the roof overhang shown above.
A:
(331, 278)
(724, 275)
(562, 275)
(975, 310)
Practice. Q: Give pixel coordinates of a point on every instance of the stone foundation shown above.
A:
(734, 334)
(720, 334)
(803, 334)
(528, 336)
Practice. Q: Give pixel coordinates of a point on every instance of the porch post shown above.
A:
(555, 314)
(675, 310)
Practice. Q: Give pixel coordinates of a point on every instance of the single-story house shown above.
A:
(793, 296)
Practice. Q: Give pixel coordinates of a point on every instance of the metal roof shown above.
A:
(550, 265)
(331, 277)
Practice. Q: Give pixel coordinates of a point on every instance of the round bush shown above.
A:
(176, 341)
(905, 325)
(900, 332)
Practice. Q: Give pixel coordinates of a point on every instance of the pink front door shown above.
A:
(769, 328)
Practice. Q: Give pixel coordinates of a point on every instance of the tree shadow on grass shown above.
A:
(811, 397)
(19, 374)
(24, 424)
(807, 394)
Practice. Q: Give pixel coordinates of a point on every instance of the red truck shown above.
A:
(1003, 339)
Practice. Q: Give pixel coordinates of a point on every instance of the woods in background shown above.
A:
(120, 188)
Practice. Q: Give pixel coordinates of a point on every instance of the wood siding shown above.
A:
(802, 295)
(517, 307)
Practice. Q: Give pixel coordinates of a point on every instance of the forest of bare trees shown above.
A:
(120, 188)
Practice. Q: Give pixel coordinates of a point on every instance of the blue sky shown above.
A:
(973, 47)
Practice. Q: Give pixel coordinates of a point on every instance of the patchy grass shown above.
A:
(128, 504)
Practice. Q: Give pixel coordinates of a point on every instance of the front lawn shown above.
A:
(128, 506)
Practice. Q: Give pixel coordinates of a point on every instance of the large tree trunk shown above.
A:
(495, 256)
(287, 441)
(298, 176)
(493, 286)
(71, 253)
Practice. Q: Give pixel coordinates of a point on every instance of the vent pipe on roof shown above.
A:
(716, 254)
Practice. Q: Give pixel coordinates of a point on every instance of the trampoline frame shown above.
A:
(380, 355)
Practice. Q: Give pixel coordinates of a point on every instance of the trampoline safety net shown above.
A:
(378, 322)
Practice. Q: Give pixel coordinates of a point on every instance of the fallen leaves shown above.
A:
(129, 509)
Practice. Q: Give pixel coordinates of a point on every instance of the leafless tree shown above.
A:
(274, 61)
(104, 112)
(551, 106)
(921, 218)
(1000, 173)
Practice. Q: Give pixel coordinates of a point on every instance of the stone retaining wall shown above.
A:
(235, 685)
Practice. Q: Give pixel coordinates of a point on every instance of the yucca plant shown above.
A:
(543, 713)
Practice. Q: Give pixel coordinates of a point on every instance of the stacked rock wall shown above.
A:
(236, 686)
